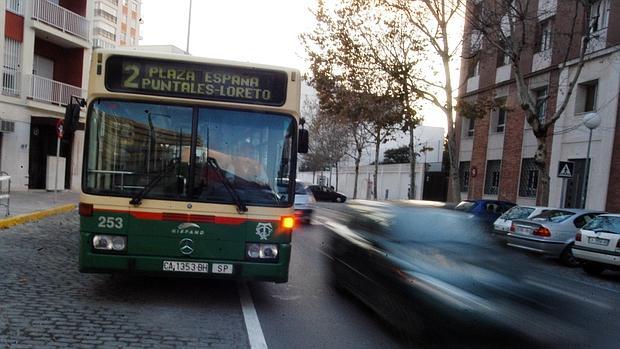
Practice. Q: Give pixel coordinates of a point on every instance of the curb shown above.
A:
(35, 216)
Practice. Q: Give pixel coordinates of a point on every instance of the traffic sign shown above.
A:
(59, 128)
(566, 169)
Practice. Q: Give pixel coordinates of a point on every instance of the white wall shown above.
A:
(393, 177)
(573, 144)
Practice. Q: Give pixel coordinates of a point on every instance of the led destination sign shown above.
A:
(195, 80)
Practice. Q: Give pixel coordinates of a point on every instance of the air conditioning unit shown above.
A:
(7, 126)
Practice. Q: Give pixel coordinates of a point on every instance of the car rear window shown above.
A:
(465, 206)
(555, 216)
(608, 224)
(518, 212)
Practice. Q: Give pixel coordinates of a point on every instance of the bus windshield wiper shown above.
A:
(137, 199)
(241, 208)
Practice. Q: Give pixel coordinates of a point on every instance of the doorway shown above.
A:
(574, 185)
(42, 145)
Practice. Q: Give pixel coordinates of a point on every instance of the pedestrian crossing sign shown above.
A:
(565, 169)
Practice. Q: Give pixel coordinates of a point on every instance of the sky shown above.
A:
(265, 31)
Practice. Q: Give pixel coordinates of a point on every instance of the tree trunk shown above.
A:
(376, 174)
(336, 176)
(540, 158)
(454, 194)
(411, 163)
(357, 171)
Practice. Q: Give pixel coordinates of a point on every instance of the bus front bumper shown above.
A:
(91, 262)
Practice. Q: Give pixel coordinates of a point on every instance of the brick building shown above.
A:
(44, 57)
(496, 152)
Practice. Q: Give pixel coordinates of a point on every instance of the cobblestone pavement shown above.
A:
(46, 302)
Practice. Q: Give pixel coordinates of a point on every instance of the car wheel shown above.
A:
(567, 258)
(338, 199)
(593, 268)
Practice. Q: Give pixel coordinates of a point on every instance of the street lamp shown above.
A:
(591, 121)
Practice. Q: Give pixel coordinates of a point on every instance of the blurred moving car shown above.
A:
(433, 270)
(501, 226)
(597, 244)
(324, 193)
(551, 232)
(304, 203)
(488, 210)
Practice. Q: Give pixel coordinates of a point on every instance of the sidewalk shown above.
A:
(32, 205)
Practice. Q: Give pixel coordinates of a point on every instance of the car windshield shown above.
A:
(134, 145)
(517, 212)
(609, 224)
(465, 206)
(555, 216)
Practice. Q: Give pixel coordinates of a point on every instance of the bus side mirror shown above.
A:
(72, 113)
(302, 144)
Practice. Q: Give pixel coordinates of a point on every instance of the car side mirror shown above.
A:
(303, 140)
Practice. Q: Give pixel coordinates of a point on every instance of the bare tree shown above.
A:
(510, 28)
(432, 20)
(330, 138)
(371, 55)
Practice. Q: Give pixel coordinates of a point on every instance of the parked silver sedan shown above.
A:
(501, 226)
(551, 232)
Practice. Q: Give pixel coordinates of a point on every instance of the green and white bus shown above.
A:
(189, 166)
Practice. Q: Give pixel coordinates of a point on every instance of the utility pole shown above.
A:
(189, 26)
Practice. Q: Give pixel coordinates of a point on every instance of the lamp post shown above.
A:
(591, 121)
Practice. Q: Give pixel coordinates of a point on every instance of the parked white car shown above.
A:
(501, 226)
(597, 244)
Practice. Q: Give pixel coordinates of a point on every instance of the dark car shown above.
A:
(433, 271)
(488, 210)
(324, 193)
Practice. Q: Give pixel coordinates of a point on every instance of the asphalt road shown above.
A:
(46, 302)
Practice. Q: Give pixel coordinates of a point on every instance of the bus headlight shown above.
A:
(261, 251)
(109, 242)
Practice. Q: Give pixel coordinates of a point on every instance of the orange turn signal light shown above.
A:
(288, 222)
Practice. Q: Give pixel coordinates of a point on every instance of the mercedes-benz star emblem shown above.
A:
(186, 246)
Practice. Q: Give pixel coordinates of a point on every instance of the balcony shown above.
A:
(52, 92)
(68, 22)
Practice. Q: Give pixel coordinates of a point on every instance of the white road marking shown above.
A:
(252, 324)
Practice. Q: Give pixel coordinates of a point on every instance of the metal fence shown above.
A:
(61, 18)
(51, 91)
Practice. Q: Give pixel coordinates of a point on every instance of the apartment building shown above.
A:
(496, 152)
(44, 57)
(116, 23)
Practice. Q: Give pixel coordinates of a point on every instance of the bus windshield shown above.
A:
(133, 145)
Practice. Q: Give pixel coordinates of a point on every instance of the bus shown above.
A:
(189, 166)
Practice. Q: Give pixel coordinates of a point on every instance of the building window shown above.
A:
(124, 2)
(475, 41)
(546, 35)
(586, 96)
(499, 116)
(468, 127)
(474, 68)
(134, 6)
(15, 6)
(464, 176)
(104, 33)
(541, 103)
(12, 67)
(491, 178)
(599, 15)
(528, 183)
